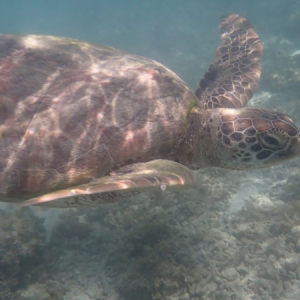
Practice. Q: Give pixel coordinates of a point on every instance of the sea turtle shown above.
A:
(83, 124)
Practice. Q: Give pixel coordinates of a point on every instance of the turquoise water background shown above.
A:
(180, 34)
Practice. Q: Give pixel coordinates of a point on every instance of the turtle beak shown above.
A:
(291, 151)
(295, 147)
(283, 139)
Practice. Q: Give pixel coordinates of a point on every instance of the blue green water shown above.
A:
(236, 235)
(181, 34)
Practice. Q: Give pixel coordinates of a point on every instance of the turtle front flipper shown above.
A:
(233, 76)
(120, 185)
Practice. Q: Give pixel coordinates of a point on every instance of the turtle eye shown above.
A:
(271, 141)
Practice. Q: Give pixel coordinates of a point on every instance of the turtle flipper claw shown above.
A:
(151, 176)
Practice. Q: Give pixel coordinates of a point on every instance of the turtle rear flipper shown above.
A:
(151, 176)
(233, 77)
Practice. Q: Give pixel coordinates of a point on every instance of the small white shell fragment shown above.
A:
(73, 193)
(163, 187)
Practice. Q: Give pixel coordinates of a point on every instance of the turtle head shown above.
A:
(245, 138)
(251, 138)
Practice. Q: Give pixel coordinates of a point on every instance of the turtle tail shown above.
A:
(233, 76)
